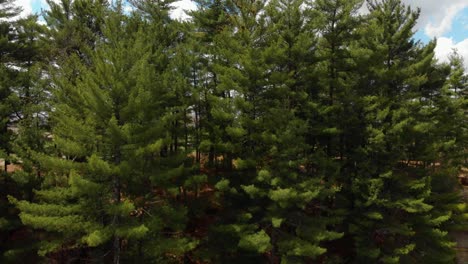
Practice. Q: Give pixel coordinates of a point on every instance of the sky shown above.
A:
(445, 20)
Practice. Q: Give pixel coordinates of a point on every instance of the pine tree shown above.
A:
(445, 152)
(293, 181)
(74, 27)
(8, 54)
(214, 54)
(336, 22)
(23, 100)
(213, 109)
(282, 131)
(450, 100)
(334, 124)
(392, 191)
(268, 194)
(30, 92)
(111, 181)
(30, 100)
(29, 113)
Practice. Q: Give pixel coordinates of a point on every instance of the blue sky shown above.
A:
(445, 20)
(460, 26)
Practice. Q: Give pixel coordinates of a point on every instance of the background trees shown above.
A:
(22, 111)
(285, 131)
(8, 55)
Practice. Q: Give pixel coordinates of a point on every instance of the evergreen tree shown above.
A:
(110, 181)
(336, 21)
(30, 100)
(74, 28)
(270, 193)
(30, 90)
(392, 190)
(335, 124)
(293, 184)
(282, 131)
(213, 109)
(450, 101)
(8, 55)
(22, 101)
(447, 156)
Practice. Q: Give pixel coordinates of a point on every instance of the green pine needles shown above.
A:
(283, 131)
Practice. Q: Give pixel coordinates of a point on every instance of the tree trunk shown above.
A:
(116, 245)
(117, 198)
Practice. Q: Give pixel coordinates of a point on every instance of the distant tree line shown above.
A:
(281, 131)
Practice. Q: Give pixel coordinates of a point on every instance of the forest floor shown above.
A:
(10, 168)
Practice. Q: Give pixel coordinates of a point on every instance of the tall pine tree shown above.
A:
(111, 183)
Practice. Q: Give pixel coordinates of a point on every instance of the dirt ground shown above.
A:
(10, 167)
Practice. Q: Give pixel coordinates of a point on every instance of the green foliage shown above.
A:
(257, 132)
(257, 242)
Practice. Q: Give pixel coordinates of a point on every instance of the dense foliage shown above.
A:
(282, 131)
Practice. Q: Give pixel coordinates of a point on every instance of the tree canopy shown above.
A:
(282, 131)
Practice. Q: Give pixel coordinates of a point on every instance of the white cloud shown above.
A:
(26, 5)
(180, 7)
(436, 19)
(437, 15)
(445, 24)
(445, 46)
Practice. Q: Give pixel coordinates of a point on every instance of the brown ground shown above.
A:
(10, 168)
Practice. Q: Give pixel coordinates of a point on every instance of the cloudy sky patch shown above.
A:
(447, 21)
